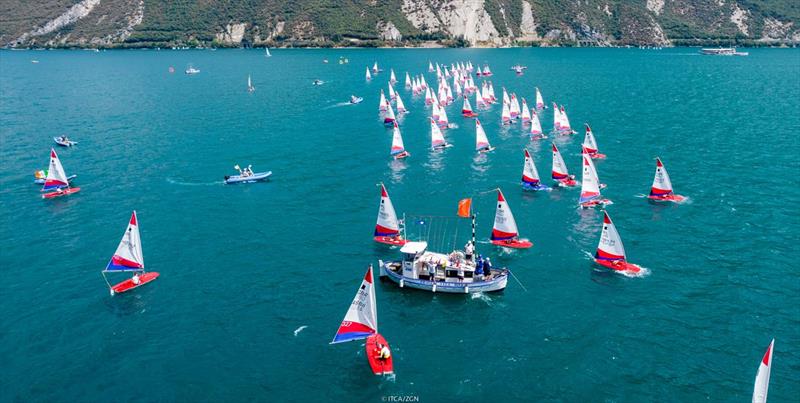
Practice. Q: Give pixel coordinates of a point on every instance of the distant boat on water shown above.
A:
(266, 53)
(191, 70)
(722, 52)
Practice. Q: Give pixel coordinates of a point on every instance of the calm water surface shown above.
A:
(242, 267)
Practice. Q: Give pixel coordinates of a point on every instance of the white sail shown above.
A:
(590, 185)
(559, 167)
(481, 141)
(506, 98)
(466, 108)
(369, 76)
(505, 116)
(392, 78)
(428, 96)
(610, 246)
(514, 106)
(435, 111)
(662, 185)
(375, 67)
(397, 141)
(529, 173)
(408, 81)
(56, 177)
(361, 319)
(401, 107)
(387, 224)
(589, 142)
(556, 118)
(382, 104)
(564, 120)
(430, 67)
(536, 125)
(526, 113)
(392, 94)
(443, 120)
(128, 256)
(505, 227)
(389, 114)
(437, 138)
(539, 99)
(762, 376)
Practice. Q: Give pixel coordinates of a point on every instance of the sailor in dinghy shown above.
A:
(560, 174)
(530, 175)
(361, 322)
(504, 231)
(590, 144)
(129, 258)
(57, 183)
(437, 138)
(661, 191)
(536, 127)
(610, 251)
(590, 186)
(398, 149)
(481, 141)
(387, 229)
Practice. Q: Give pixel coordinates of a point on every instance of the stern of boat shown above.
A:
(382, 269)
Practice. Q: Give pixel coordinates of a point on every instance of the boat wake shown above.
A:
(180, 183)
(299, 329)
(481, 296)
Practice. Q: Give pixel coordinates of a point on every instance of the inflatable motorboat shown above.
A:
(64, 142)
(255, 177)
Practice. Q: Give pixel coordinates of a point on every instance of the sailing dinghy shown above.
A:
(590, 186)
(466, 110)
(590, 144)
(129, 258)
(530, 176)
(539, 100)
(361, 322)
(536, 127)
(398, 149)
(504, 231)
(610, 252)
(387, 229)
(560, 173)
(250, 87)
(368, 76)
(389, 117)
(762, 376)
(662, 186)
(56, 183)
(481, 141)
(401, 107)
(437, 139)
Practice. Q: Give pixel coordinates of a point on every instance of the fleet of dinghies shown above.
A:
(460, 271)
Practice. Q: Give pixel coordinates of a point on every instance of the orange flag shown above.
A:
(464, 206)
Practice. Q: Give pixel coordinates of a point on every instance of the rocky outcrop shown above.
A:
(388, 31)
(421, 16)
(775, 30)
(468, 19)
(656, 6)
(72, 15)
(739, 18)
(233, 34)
(527, 27)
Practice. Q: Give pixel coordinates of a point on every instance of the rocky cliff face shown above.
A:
(409, 22)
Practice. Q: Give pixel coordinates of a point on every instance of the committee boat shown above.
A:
(361, 322)
(129, 258)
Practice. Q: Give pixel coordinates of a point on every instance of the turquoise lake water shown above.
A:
(243, 267)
